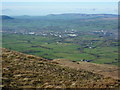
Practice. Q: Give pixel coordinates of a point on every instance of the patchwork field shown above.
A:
(80, 37)
(51, 48)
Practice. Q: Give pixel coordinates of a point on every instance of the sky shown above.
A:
(59, 0)
(45, 7)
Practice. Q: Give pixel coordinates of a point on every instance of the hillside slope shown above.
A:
(28, 71)
(4, 17)
(103, 69)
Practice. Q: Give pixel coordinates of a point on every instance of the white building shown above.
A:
(31, 33)
(72, 35)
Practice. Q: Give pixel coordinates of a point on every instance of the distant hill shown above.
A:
(68, 16)
(81, 16)
(28, 71)
(4, 17)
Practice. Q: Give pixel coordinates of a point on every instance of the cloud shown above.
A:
(6, 10)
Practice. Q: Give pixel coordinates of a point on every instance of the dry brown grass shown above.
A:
(103, 69)
(27, 71)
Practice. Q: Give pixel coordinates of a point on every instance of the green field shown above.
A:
(49, 48)
(94, 36)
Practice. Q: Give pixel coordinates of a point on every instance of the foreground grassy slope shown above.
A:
(27, 71)
(102, 69)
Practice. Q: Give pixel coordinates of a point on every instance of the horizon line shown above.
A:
(64, 13)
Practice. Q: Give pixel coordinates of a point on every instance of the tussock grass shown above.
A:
(28, 71)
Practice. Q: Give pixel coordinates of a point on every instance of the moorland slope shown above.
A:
(28, 71)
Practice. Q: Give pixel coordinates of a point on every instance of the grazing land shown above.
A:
(79, 37)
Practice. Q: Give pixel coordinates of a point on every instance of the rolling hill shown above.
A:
(5, 17)
(28, 71)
